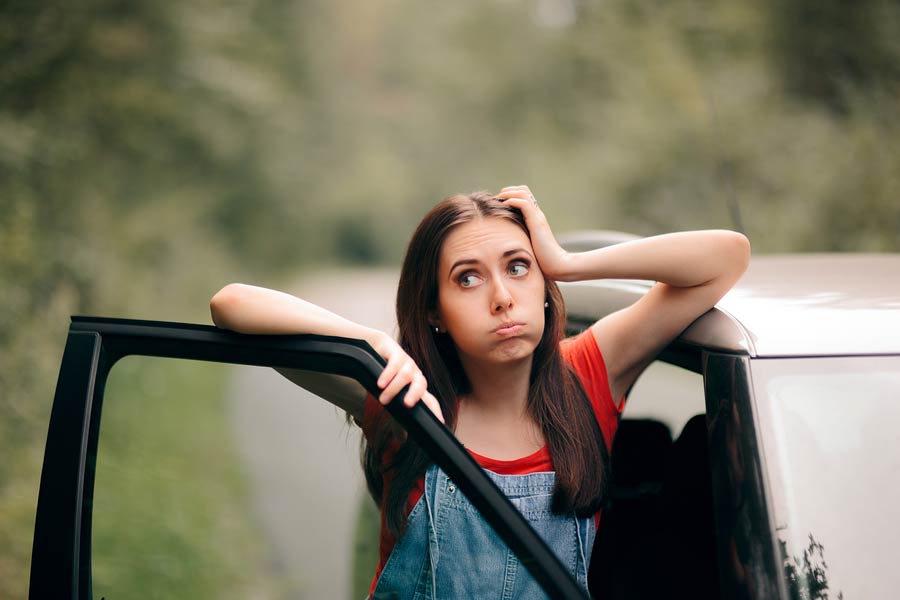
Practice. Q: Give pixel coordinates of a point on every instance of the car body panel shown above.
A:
(784, 305)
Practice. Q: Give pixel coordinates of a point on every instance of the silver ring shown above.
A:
(533, 201)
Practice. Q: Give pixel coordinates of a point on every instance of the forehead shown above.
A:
(482, 240)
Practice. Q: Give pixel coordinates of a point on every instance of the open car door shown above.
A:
(61, 552)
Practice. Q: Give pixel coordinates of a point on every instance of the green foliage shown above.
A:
(826, 53)
(807, 575)
(152, 151)
(171, 510)
(365, 546)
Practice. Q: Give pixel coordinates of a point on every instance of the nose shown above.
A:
(502, 299)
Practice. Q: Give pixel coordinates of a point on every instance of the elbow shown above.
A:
(224, 304)
(737, 249)
(742, 242)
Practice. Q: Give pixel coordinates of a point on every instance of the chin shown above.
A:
(513, 350)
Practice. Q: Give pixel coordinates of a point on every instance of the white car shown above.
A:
(784, 484)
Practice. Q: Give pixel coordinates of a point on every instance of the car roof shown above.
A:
(784, 305)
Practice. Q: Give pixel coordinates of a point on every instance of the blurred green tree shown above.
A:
(151, 151)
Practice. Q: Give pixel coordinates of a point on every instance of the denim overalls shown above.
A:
(449, 551)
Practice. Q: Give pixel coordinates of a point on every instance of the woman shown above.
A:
(480, 326)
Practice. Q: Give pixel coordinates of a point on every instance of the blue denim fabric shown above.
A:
(449, 550)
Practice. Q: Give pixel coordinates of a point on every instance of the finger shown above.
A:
(390, 370)
(416, 389)
(518, 202)
(403, 377)
(434, 406)
(524, 194)
(393, 388)
(513, 194)
(515, 188)
(516, 192)
(526, 205)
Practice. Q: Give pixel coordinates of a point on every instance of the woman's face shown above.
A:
(490, 292)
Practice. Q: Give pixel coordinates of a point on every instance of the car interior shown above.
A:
(656, 536)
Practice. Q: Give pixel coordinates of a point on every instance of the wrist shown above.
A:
(566, 267)
(581, 266)
(374, 337)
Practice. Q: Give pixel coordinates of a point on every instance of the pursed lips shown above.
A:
(509, 329)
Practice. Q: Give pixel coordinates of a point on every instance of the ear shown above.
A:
(435, 321)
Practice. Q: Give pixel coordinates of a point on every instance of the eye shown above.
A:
(518, 268)
(468, 279)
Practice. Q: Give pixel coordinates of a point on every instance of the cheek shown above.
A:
(540, 299)
(454, 310)
(538, 292)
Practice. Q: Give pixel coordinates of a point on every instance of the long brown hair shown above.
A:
(556, 400)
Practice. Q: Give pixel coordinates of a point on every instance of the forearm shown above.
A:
(251, 309)
(683, 259)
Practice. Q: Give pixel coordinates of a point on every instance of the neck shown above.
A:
(502, 390)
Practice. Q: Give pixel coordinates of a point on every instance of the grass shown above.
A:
(365, 546)
(172, 516)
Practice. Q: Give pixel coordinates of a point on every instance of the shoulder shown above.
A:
(582, 353)
(579, 347)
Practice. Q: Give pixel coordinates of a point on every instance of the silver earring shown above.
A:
(437, 329)
(546, 305)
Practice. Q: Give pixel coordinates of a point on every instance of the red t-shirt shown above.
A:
(583, 355)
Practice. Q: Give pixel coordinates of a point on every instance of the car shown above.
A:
(753, 460)
(765, 463)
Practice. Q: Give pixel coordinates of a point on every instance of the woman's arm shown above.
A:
(251, 309)
(694, 269)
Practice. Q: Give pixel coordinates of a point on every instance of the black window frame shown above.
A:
(61, 550)
(745, 525)
(750, 561)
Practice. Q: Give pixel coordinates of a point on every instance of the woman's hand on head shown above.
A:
(551, 257)
(401, 371)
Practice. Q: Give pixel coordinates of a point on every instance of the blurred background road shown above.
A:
(301, 457)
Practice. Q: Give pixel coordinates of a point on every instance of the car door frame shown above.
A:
(749, 556)
(61, 550)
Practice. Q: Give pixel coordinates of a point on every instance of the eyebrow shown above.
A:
(474, 261)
